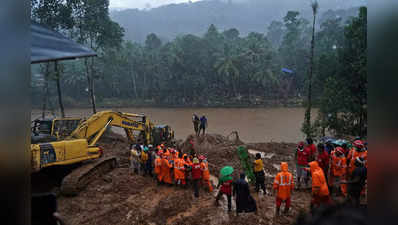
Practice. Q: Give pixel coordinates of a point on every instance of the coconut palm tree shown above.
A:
(307, 122)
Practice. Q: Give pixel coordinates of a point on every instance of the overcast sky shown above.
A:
(142, 3)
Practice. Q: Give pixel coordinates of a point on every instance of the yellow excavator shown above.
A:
(81, 147)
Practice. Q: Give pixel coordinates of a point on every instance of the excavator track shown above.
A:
(78, 179)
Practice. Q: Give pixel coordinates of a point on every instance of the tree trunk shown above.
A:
(45, 91)
(90, 82)
(57, 76)
(308, 111)
(134, 84)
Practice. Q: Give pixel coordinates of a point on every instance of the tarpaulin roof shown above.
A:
(49, 45)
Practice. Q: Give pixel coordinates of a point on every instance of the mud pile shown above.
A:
(121, 197)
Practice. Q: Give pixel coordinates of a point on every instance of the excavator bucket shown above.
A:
(246, 164)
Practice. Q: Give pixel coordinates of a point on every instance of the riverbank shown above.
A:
(243, 102)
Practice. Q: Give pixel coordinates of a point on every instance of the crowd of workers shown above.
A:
(169, 166)
(337, 170)
(334, 169)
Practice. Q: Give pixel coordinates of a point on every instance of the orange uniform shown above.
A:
(338, 170)
(158, 165)
(338, 165)
(283, 182)
(165, 175)
(204, 167)
(352, 155)
(179, 170)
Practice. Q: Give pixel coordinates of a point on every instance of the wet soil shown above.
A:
(121, 197)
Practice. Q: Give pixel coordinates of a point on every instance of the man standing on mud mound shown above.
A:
(203, 124)
(196, 121)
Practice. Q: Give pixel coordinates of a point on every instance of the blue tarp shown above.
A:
(48, 45)
(287, 70)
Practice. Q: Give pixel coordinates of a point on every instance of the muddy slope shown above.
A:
(124, 198)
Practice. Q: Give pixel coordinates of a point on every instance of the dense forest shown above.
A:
(222, 67)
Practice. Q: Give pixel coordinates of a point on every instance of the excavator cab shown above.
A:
(162, 134)
(47, 130)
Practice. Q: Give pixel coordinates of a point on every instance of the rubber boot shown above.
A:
(277, 212)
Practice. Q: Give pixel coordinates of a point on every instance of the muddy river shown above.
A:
(252, 124)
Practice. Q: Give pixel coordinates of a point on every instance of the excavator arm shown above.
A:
(93, 128)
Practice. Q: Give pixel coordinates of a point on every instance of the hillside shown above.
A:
(194, 18)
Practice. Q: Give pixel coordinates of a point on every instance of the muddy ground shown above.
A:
(123, 198)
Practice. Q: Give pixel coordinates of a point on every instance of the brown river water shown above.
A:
(252, 124)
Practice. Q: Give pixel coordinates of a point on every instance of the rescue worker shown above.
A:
(345, 148)
(188, 168)
(302, 155)
(320, 190)
(179, 171)
(357, 151)
(203, 124)
(283, 186)
(312, 149)
(323, 159)
(357, 182)
(196, 121)
(196, 176)
(133, 161)
(152, 152)
(148, 165)
(165, 176)
(226, 189)
(259, 173)
(338, 169)
(244, 201)
(158, 167)
(143, 160)
(204, 167)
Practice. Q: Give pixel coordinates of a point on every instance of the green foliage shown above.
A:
(343, 108)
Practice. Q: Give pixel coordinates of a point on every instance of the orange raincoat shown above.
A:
(352, 155)
(319, 184)
(165, 175)
(158, 165)
(338, 165)
(204, 166)
(179, 170)
(284, 182)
